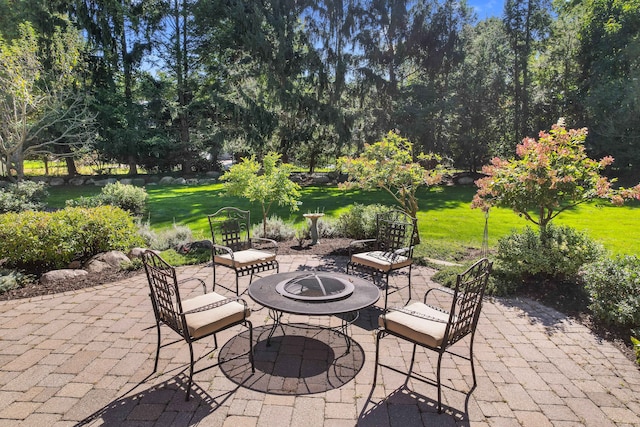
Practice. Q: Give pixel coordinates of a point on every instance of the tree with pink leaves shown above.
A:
(549, 176)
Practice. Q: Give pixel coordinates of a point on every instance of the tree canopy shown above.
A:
(175, 83)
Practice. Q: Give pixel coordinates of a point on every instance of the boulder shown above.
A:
(111, 260)
(465, 180)
(61, 275)
(138, 182)
(125, 181)
(180, 181)
(213, 174)
(193, 246)
(76, 181)
(320, 178)
(56, 181)
(137, 253)
(166, 180)
(103, 182)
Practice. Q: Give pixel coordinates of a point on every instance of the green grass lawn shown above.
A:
(446, 222)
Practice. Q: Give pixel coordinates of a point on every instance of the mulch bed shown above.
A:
(331, 247)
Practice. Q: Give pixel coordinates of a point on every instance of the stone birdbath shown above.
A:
(314, 225)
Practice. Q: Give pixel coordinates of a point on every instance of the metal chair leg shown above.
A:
(439, 383)
(473, 368)
(375, 366)
(190, 372)
(253, 366)
(155, 366)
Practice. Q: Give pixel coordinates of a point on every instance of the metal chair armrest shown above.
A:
(363, 242)
(447, 291)
(190, 279)
(226, 249)
(273, 244)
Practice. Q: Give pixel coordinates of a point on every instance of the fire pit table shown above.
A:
(319, 293)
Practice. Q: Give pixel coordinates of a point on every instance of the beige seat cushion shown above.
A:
(245, 258)
(383, 261)
(206, 322)
(421, 330)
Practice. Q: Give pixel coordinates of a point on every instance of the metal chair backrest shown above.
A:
(165, 296)
(467, 301)
(395, 230)
(230, 227)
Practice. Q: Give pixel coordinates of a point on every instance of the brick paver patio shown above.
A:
(85, 358)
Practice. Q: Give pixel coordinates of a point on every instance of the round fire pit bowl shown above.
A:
(316, 287)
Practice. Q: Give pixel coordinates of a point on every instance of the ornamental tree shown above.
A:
(549, 175)
(389, 165)
(266, 185)
(41, 111)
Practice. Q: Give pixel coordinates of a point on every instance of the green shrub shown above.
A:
(277, 230)
(12, 279)
(326, 229)
(557, 255)
(359, 222)
(127, 197)
(40, 240)
(636, 347)
(172, 238)
(614, 288)
(23, 196)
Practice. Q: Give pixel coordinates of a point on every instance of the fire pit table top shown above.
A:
(314, 292)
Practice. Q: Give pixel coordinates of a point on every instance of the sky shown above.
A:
(487, 8)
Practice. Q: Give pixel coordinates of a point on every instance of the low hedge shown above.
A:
(36, 241)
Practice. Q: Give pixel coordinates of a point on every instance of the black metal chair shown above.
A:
(233, 247)
(391, 250)
(194, 318)
(437, 329)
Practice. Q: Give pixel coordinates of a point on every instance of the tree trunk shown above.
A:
(133, 166)
(71, 166)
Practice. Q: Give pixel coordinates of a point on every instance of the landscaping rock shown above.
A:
(103, 182)
(213, 174)
(320, 178)
(56, 182)
(137, 252)
(180, 181)
(61, 275)
(192, 246)
(111, 260)
(138, 182)
(465, 180)
(76, 181)
(125, 181)
(166, 180)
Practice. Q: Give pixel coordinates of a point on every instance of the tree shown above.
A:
(40, 109)
(609, 62)
(267, 185)
(481, 124)
(389, 165)
(119, 33)
(550, 175)
(526, 22)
